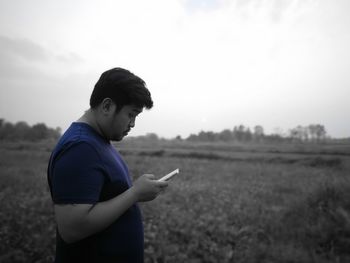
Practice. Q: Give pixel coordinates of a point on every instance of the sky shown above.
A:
(210, 65)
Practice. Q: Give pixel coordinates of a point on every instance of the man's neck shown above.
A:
(89, 117)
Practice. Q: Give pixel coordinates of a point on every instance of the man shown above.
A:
(95, 203)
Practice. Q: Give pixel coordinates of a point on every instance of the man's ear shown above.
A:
(108, 106)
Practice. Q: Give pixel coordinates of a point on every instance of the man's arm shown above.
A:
(78, 221)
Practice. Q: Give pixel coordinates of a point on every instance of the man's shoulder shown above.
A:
(78, 135)
(79, 132)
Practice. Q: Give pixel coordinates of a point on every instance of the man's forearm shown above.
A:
(76, 222)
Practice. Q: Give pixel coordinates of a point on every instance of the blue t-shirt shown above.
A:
(85, 168)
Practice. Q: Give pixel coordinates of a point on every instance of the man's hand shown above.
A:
(146, 188)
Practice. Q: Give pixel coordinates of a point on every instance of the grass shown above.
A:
(230, 203)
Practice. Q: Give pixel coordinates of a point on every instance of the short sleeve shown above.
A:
(77, 176)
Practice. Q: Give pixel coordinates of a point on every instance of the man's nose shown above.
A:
(132, 123)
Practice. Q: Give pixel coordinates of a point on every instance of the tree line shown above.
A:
(241, 133)
(310, 133)
(23, 131)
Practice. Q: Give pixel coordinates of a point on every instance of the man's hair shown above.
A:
(123, 87)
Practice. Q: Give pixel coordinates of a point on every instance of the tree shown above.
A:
(152, 136)
(7, 131)
(178, 138)
(248, 135)
(238, 132)
(21, 130)
(317, 132)
(258, 133)
(206, 136)
(192, 137)
(299, 133)
(320, 132)
(225, 135)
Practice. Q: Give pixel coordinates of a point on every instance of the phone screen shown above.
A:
(169, 175)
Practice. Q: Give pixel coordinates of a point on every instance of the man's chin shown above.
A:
(119, 138)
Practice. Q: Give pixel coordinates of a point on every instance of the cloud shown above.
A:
(70, 58)
(278, 9)
(23, 49)
(18, 58)
(201, 5)
(30, 60)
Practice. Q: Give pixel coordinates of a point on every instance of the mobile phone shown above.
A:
(169, 175)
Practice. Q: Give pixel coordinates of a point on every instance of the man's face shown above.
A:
(123, 121)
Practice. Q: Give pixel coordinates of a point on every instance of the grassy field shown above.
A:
(230, 203)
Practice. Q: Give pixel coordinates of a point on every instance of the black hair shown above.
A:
(123, 87)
